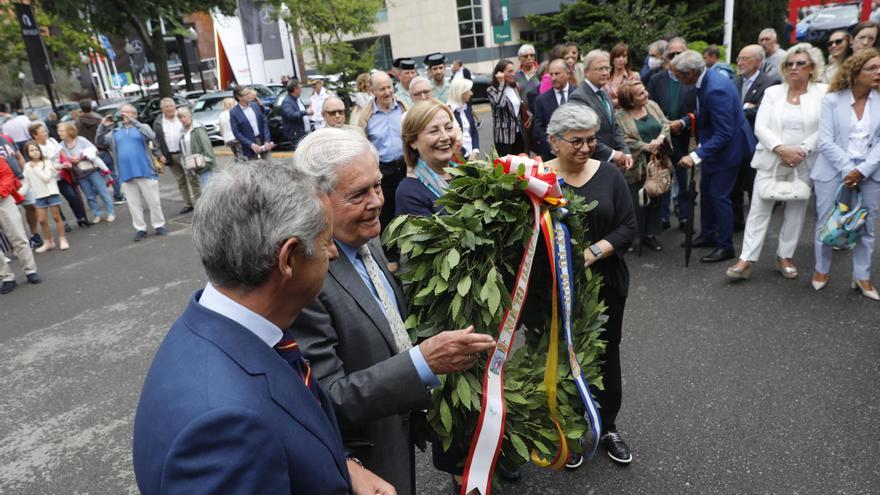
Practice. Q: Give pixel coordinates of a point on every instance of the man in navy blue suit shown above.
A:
(249, 125)
(294, 115)
(725, 140)
(229, 405)
(548, 102)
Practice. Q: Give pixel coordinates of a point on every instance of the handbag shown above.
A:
(784, 190)
(84, 167)
(659, 178)
(844, 225)
(193, 162)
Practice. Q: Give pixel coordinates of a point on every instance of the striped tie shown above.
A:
(289, 350)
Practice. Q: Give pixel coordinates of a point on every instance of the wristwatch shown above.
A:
(597, 251)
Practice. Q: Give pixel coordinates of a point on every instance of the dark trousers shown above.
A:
(610, 398)
(678, 151)
(392, 173)
(73, 198)
(716, 210)
(515, 148)
(744, 185)
(647, 217)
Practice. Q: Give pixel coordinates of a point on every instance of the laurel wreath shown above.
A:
(460, 268)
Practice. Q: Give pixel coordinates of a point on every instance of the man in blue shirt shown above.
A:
(353, 333)
(381, 121)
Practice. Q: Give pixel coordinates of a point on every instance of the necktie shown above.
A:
(604, 98)
(289, 350)
(561, 97)
(401, 337)
(746, 85)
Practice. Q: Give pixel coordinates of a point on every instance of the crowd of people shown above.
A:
(321, 295)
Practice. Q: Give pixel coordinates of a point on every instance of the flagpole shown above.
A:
(728, 29)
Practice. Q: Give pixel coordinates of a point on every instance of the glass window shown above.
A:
(470, 23)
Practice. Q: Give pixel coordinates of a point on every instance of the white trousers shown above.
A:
(760, 211)
(825, 195)
(12, 226)
(143, 193)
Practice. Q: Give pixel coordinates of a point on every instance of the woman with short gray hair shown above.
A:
(611, 230)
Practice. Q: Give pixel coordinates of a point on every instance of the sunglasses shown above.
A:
(836, 42)
(796, 63)
(672, 55)
(333, 113)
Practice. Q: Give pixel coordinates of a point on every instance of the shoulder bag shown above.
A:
(784, 190)
(844, 225)
(659, 178)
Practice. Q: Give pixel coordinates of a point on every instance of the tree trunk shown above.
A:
(160, 58)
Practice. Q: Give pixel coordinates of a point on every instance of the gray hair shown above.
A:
(593, 55)
(167, 99)
(572, 117)
(687, 61)
(769, 31)
(184, 111)
(659, 45)
(678, 39)
(756, 51)
(813, 53)
(419, 79)
(525, 50)
(246, 212)
(323, 152)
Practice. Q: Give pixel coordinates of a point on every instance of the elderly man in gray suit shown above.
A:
(353, 333)
(612, 144)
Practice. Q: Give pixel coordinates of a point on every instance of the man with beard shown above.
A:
(436, 64)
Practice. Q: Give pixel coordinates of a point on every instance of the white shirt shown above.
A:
(562, 93)
(307, 124)
(860, 130)
(17, 128)
(264, 329)
(747, 84)
(793, 131)
(317, 103)
(172, 130)
(252, 118)
(514, 98)
(226, 127)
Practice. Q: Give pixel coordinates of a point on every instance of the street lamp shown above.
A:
(193, 36)
(284, 13)
(21, 77)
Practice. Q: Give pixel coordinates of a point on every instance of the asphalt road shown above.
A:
(758, 387)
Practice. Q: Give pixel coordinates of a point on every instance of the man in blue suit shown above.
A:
(294, 115)
(249, 125)
(548, 102)
(725, 140)
(229, 405)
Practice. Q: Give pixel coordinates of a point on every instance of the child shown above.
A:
(42, 176)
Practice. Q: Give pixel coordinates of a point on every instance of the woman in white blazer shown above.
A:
(787, 128)
(849, 154)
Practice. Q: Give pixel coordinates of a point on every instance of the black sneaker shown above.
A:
(8, 287)
(617, 449)
(140, 234)
(34, 278)
(161, 231)
(36, 241)
(575, 461)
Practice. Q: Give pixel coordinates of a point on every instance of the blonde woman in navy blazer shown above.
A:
(783, 150)
(849, 154)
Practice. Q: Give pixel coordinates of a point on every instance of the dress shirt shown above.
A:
(693, 154)
(219, 303)
(17, 128)
(860, 130)
(172, 129)
(317, 103)
(383, 130)
(429, 379)
(514, 98)
(562, 95)
(746, 85)
(307, 124)
(252, 118)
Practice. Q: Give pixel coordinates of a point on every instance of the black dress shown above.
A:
(613, 219)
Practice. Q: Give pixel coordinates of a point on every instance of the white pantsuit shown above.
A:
(835, 162)
(143, 193)
(769, 131)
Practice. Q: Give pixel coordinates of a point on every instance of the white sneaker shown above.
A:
(96, 221)
(111, 218)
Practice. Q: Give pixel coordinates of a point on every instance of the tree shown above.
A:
(118, 17)
(636, 22)
(327, 24)
(751, 16)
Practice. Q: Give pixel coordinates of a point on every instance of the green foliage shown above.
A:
(460, 270)
(636, 22)
(751, 16)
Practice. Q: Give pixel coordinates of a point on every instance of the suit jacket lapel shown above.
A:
(257, 358)
(875, 112)
(348, 278)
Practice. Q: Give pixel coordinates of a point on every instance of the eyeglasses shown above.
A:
(836, 42)
(423, 94)
(672, 55)
(871, 68)
(796, 63)
(604, 68)
(334, 113)
(579, 143)
(528, 55)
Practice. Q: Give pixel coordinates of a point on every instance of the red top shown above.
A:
(9, 183)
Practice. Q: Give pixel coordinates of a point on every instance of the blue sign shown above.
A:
(108, 48)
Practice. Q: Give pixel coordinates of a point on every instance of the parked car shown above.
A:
(207, 110)
(481, 83)
(192, 96)
(276, 88)
(803, 26)
(149, 107)
(832, 19)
